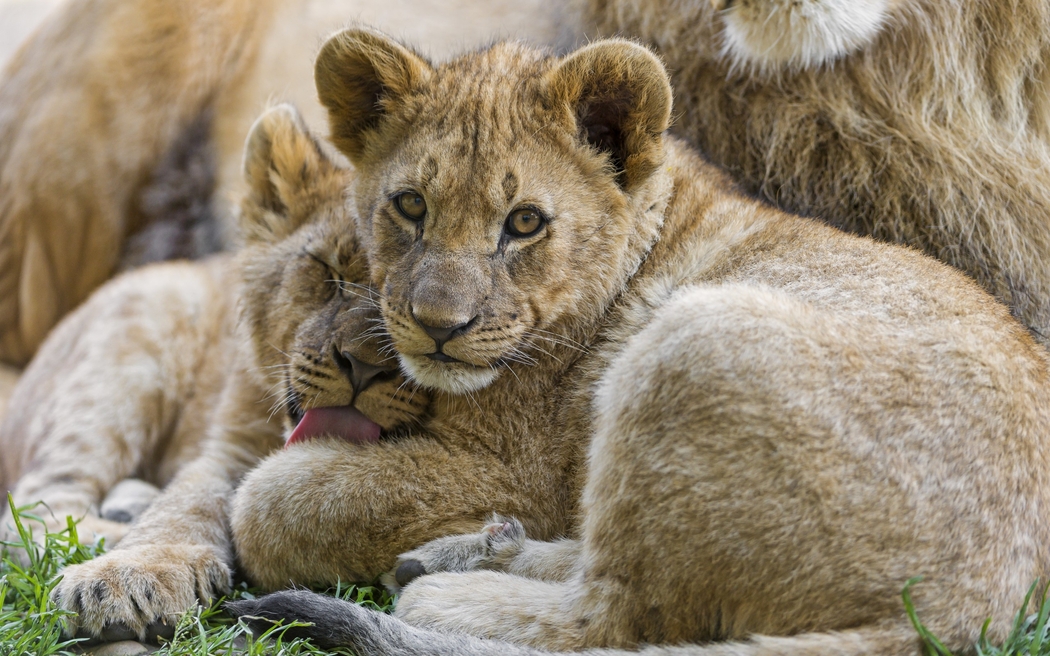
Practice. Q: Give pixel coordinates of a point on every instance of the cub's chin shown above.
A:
(451, 377)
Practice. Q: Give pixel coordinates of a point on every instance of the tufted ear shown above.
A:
(620, 98)
(360, 76)
(289, 176)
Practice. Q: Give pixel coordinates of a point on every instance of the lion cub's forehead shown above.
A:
(500, 70)
(482, 132)
(486, 97)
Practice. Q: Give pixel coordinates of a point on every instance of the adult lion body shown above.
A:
(925, 123)
(783, 423)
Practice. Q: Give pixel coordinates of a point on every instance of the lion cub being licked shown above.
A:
(169, 374)
(785, 422)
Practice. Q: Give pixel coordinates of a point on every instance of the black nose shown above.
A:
(361, 374)
(441, 334)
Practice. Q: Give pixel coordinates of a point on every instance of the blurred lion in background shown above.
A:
(917, 121)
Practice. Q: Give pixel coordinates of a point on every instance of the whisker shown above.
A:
(345, 287)
(286, 365)
(546, 352)
(556, 339)
(279, 404)
(400, 387)
(512, 372)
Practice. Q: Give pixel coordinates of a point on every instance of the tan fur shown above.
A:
(915, 121)
(782, 422)
(159, 376)
(83, 119)
(91, 104)
(933, 130)
(125, 386)
(8, 377)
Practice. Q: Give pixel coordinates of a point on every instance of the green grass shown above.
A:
(30, 624)
(1028, 636)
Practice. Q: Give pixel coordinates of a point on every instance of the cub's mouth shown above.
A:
(452, 375)
(345, 422)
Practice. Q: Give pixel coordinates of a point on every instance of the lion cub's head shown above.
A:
(314, 321)
(501, 196)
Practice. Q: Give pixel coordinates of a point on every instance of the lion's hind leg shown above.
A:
(762, 465)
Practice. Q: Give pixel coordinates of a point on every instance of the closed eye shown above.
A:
(334, 277)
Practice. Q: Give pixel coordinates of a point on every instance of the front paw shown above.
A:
(491, 548)
(128, 590)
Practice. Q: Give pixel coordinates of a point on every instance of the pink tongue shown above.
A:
(346, 422)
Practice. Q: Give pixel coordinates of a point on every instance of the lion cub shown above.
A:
(782, 423)
(187, 374)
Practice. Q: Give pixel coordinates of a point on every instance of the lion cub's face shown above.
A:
(494, 203)
(315, 321)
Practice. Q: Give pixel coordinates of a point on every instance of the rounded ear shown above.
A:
(288, 176)
(361, 75)
(620, 98)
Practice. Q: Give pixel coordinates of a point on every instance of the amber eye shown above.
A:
(411, 205)
(524, 222)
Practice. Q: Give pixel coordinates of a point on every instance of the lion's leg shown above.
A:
(500, 546)
(743, 480)
(313, 513)
(103, 400)
(496, 606)
(87, 108)
(179, 551)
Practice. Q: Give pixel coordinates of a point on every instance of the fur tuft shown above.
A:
(765, 35)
